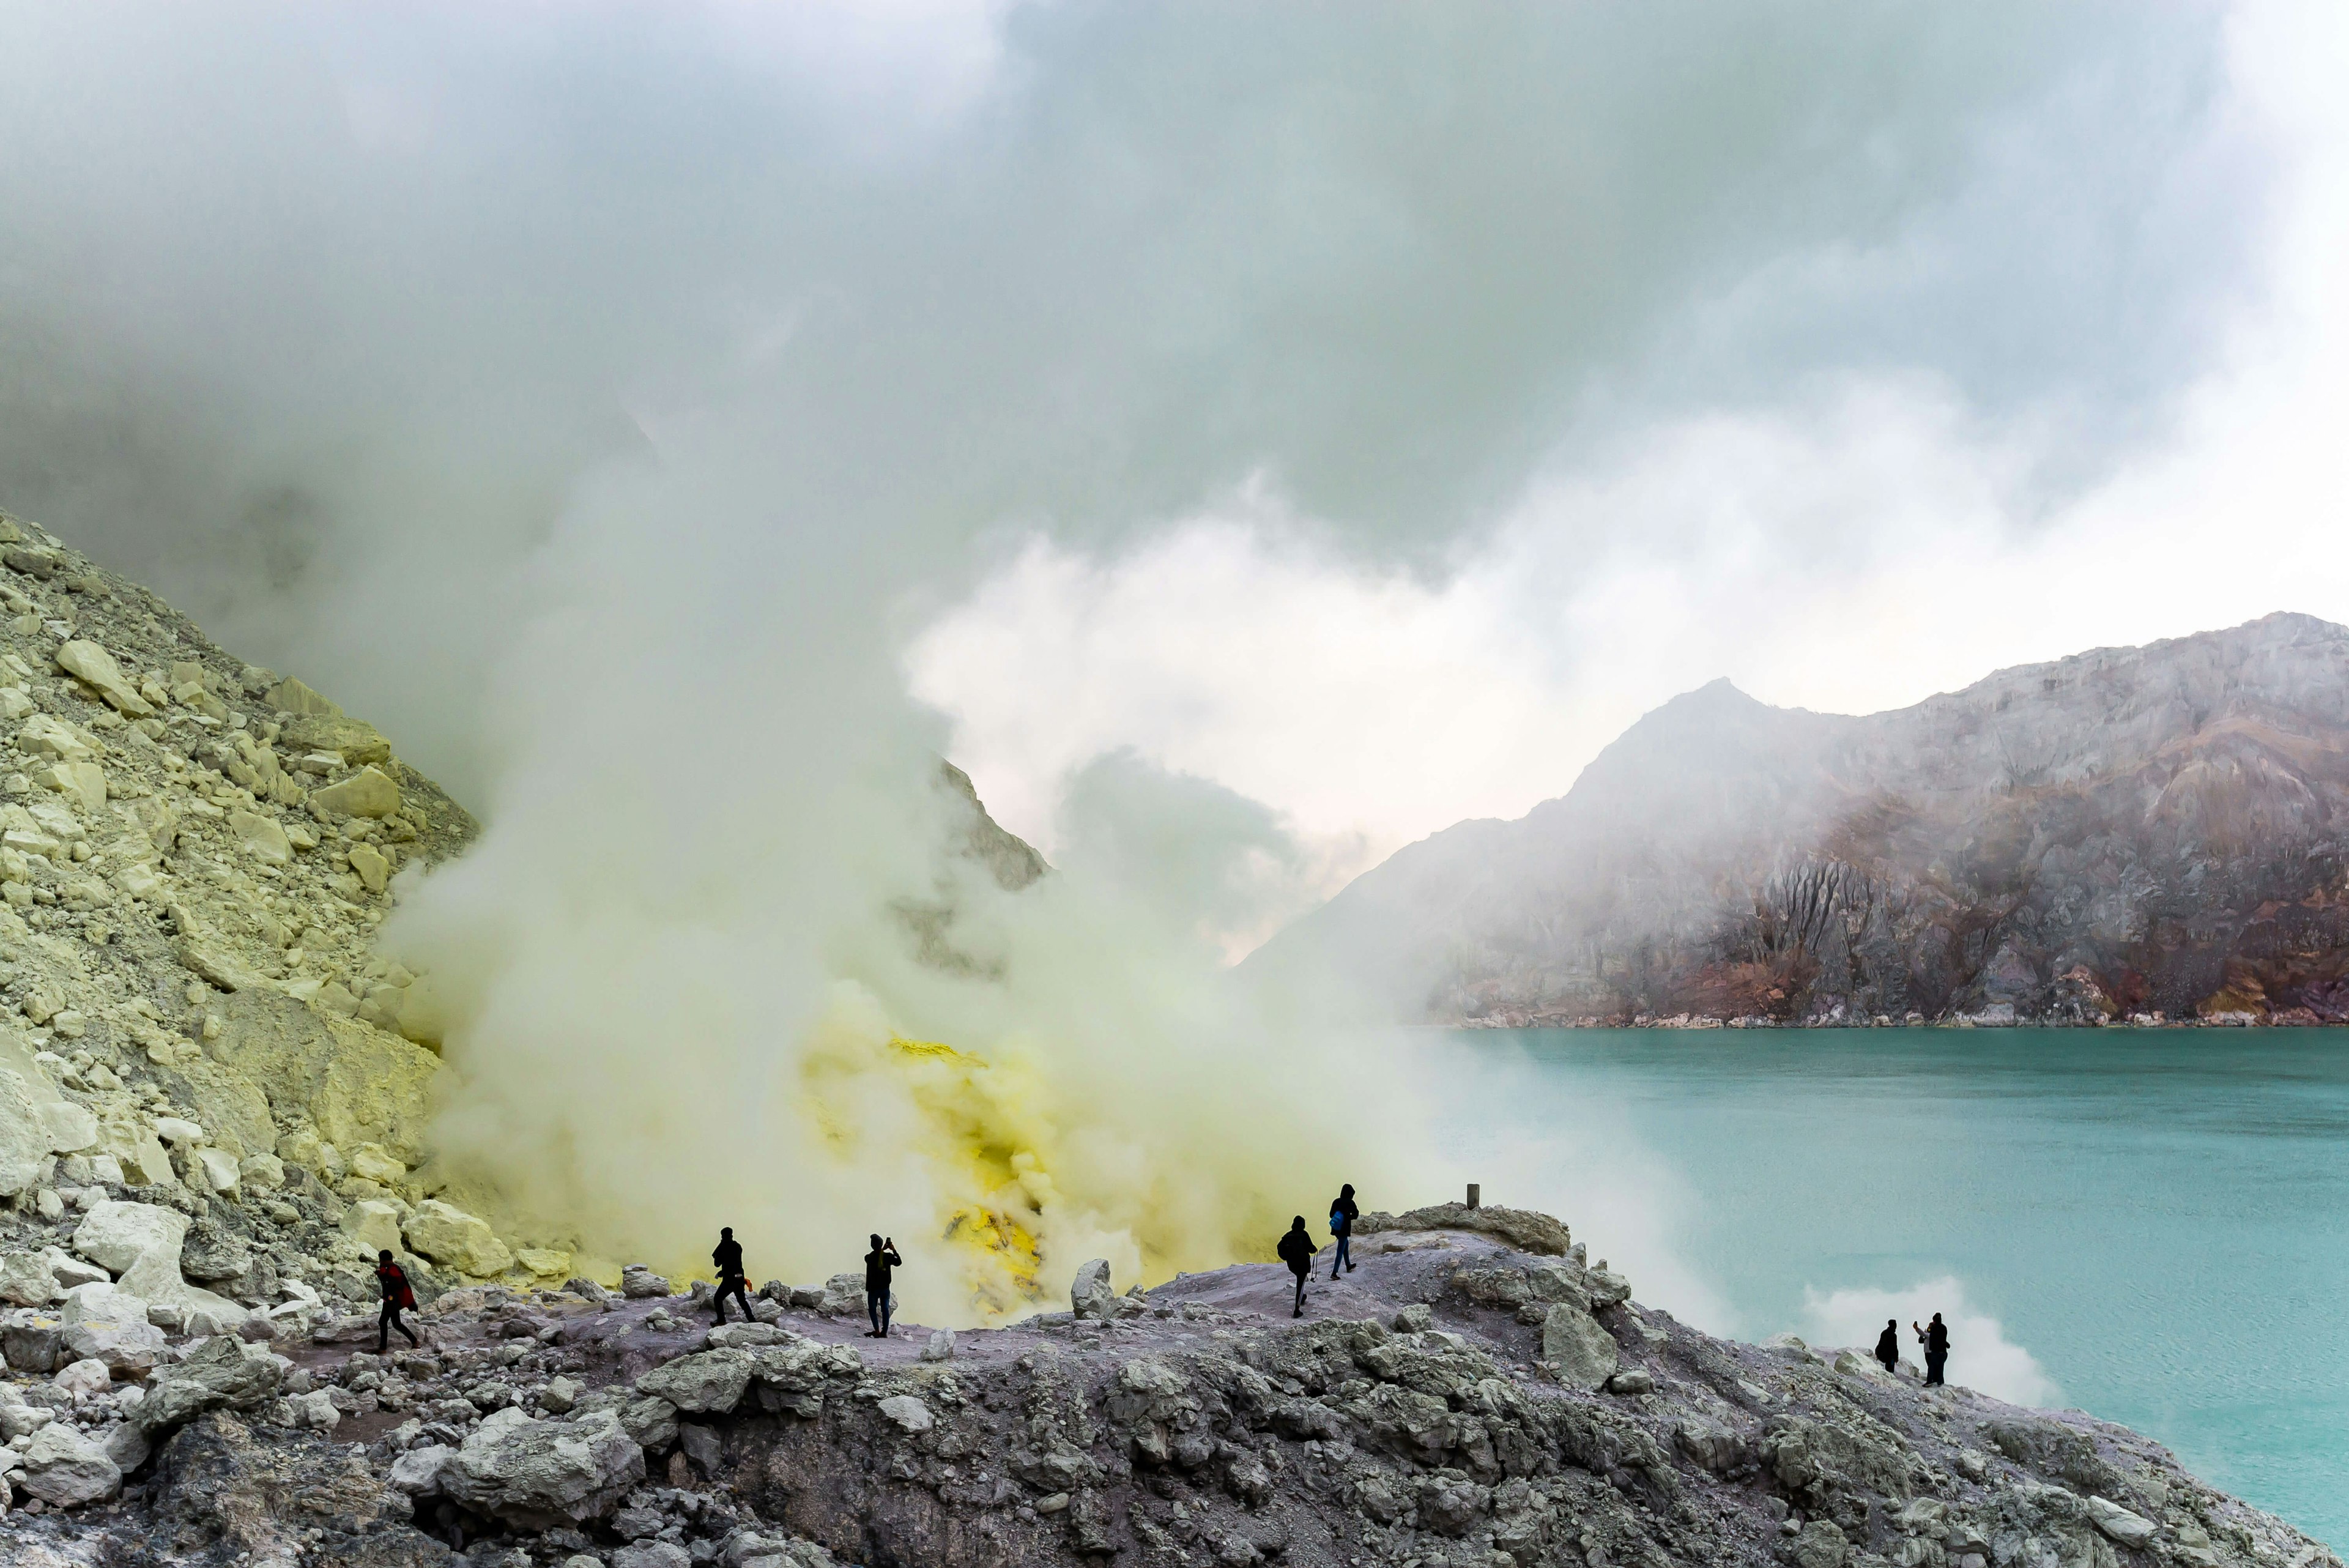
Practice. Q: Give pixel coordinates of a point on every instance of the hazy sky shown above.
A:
(1360, 411)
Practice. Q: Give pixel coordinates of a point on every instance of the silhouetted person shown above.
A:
(1344, 1212)
(398, 1296)
(729, 1259)
(1936, 1340)
(1887, 1345)
(1296, 1249)
(877, 1265)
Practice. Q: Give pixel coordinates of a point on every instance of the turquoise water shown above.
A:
(2160, 1218)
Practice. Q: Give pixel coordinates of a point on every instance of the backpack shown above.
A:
(1338, 1226)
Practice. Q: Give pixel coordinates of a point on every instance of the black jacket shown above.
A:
(877, 1265)
(1296, 1249)
(1887, 1346)
(729, 1259)
(1936, 1339)
(1344, 1212)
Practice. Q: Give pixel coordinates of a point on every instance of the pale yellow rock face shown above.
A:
(230, 1105)
(447, 1234)
(23, 1132)
(355, 739)
(291, 696)
(374, 869)
(375, 1225)
(355, 1083)
(370, 792)
(546, 1262)
(260, 837)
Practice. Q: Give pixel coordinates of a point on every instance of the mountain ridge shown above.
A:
(2122, 832)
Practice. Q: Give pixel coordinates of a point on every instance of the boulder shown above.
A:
(315, 1410)
(127, 1446)
(745, 1336)
(545, 1475)
(155, 1279)
(291, 696)
(1523, 1228)
(25, 1280)
(654, 1555)
(1579, 1345)
(416, 1472)
(219, 1374)
(843, 1295)
(261, 838)
(2123, 1527)
(65, 1470)
(72, 1128)
(355, 741)
(19, 1418)
(94, 667)
(45, 735)
(32, 1345)
(650, 1423)
(83, 1378)
(179, 1131)
(374, 1225)
(218, 1170)
(99, 1323)
(1820, 1545)
(638, 1282)
(710, 1383)
(941, 1346)
(71, 1270)
(447, 1234)
(906, 1413)
(24, 1137)
(115, 1233)
(138, 1154)
(370, 792)
(101, 1302)
(212, 1253)
(373, 867)
(1090, 1295)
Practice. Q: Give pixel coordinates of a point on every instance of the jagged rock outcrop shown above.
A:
(2127, 834)
(1454, 1400)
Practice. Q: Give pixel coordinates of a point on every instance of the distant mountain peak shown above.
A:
(2123, 831)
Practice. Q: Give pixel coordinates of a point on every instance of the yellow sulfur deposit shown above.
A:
(979, 1132)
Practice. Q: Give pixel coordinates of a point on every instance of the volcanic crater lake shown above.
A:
(2157, 1219)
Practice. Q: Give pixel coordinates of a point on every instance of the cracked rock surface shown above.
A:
(1413, 1416)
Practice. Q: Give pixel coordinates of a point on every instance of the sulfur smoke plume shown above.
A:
(605, 398)
(726, 957)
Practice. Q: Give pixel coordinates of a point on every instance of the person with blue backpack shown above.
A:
(1344, 1212)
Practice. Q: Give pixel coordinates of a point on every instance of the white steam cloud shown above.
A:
(1981, 1356)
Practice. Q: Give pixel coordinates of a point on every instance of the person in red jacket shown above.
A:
(398, 1296)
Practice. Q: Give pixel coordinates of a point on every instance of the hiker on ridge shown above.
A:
(1296, 1249)
(729, 1259)
(1344, 1212)
(1936, 1340)
(1887, 1345)
(398, 1296)
(878, 1303)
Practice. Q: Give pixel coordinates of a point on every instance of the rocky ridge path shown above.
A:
(1476, 1392)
